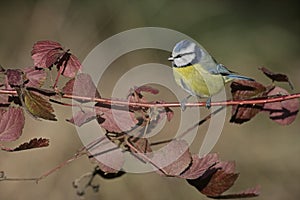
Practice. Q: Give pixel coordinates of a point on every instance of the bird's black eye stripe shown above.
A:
(183, 54)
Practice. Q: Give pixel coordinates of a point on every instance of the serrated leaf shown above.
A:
(173, 159)
(37, 105)
(36, 77)
(46, 53)
(4, 99)
(82, 117)
(248, 193)
(81, 85)
(14, 77)
(71, 66)
(107, 155)
(200, 165)
(283, 112)
(32, 144)
(276, 76)
(11, 123)
(222, 180)
(115, 120)
(142, 145)
(147, 89)
(243, 89)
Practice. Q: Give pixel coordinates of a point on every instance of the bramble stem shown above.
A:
(253, 101)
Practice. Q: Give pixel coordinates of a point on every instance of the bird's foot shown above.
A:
(208, 103)
(183, 104)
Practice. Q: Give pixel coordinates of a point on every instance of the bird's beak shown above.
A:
(170, 58)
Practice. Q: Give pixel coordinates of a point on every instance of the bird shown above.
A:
(198, 73)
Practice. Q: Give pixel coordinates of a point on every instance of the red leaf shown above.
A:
(82, 117)
(71, 66)
(284, 112)
(169, 113)
(222, 180)
(200, 166)
(276, 76)
(147, 89)
(46, 53)
(115, 119)
(165, 111)
(14, 77)
(36, 77)
(33, 143)
(174, 158)
(4, 99)
(11, 123)
(81, 85)
(248, 193)
(240, 90)
(135, 94)
(108, 156)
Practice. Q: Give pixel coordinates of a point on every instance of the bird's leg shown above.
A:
(208, 103)
(183, 102)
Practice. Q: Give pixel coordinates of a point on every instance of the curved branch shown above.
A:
(262, 100)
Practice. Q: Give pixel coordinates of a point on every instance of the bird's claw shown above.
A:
(208, 103)
(183, 104)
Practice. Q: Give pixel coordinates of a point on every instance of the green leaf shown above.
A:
(37, 105)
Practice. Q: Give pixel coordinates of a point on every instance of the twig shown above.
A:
(64, 163)
(189, 129)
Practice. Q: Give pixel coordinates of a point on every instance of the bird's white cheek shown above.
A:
(179, 62)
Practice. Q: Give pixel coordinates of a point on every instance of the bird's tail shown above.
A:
(236, 76)
(230, 75)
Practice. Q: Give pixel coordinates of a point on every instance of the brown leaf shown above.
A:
(248, 193)
(115, 119)
(200, 166)
(222, 180)
(107, 155)
(82, 117)
(276, 76)
(142, 145)
(242, 89)
(33, 143)
(11, 123)
(283, 112)
(173, 159)
(37, 105)
(81, 85)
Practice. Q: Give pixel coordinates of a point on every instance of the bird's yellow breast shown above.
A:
(197, 81)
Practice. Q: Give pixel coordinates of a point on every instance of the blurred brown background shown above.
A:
(244, 35)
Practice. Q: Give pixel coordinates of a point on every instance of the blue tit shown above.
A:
(198, 73)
